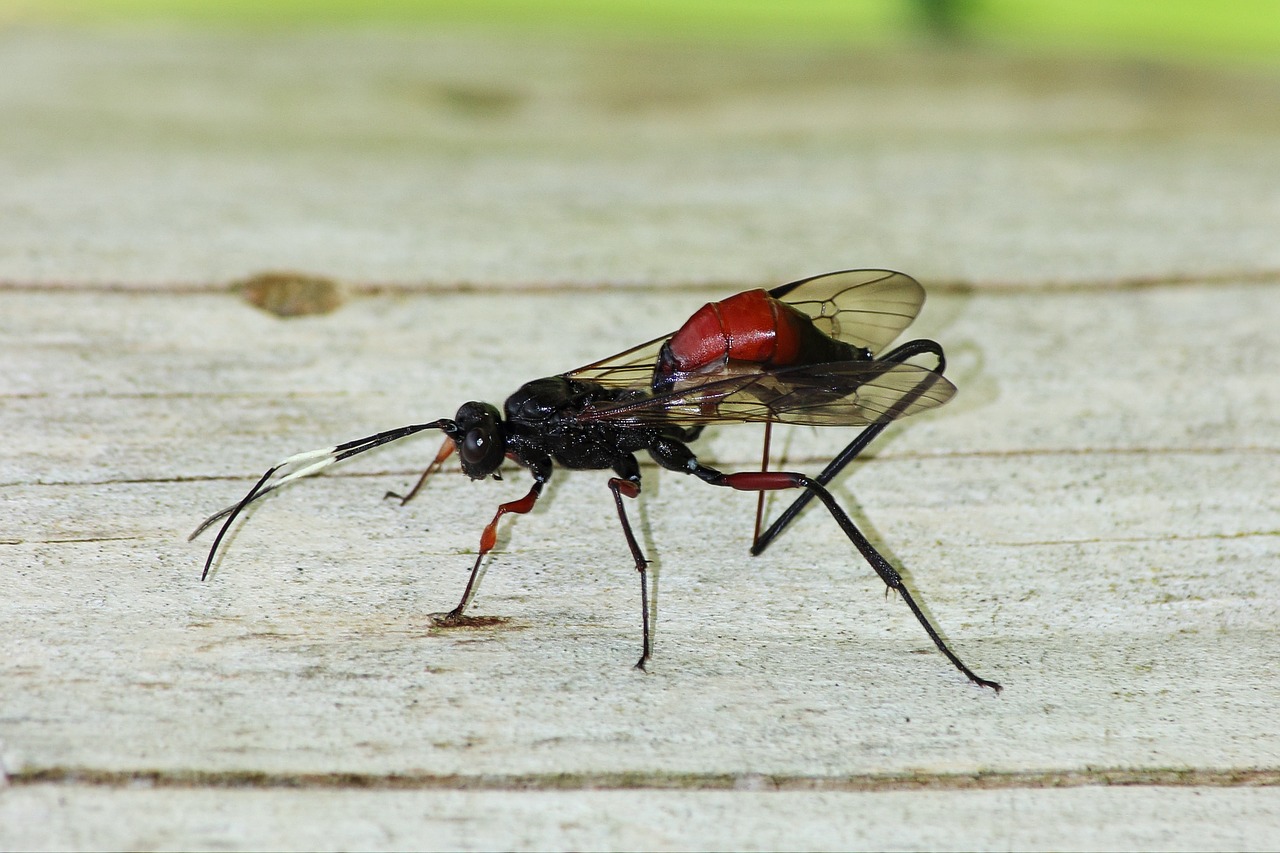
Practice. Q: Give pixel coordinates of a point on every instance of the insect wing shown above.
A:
(846, 393)
(632, 368)
(866, 308)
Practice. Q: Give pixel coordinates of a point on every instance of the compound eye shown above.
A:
(478, 431)
(475, 446)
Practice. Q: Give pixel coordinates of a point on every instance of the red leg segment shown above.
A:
(446, 450)
(488, 539)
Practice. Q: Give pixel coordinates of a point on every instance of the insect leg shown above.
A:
(769, 480)
(844, 457)
(446, 450)
(834, 467)
(488, 539)
(764, 466)
(631, 488)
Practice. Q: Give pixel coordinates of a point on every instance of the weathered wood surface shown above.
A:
(1092, 522)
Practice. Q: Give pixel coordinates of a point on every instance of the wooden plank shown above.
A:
(162, 158)
(1111, 560)
(1071, 819)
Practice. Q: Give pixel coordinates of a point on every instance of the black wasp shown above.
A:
(808, 352)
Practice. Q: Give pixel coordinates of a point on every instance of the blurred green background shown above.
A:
(1232, 31)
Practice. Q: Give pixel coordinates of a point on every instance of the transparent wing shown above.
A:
(846, 393)
(632, 368)
(866, 308)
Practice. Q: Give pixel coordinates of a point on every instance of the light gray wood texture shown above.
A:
(1093, 521)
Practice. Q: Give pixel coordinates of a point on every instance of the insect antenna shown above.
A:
(303, 465)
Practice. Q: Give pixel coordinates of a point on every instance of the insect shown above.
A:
(808, 352)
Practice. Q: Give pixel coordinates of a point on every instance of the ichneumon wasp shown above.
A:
(808, 352)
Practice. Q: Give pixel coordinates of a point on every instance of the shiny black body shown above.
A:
(543, 427)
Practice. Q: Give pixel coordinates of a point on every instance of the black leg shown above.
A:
(769, 480)
(909, 350)
(631, 488)
(834, 467)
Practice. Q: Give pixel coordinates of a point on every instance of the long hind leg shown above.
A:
(751, 481)
(903, 353)
(674, 456)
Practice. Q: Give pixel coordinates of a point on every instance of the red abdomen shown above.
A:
(750, 327)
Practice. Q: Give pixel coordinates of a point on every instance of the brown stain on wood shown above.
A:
(291, 294)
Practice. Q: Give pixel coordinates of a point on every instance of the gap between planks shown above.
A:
(937, 285)
(654, 781)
